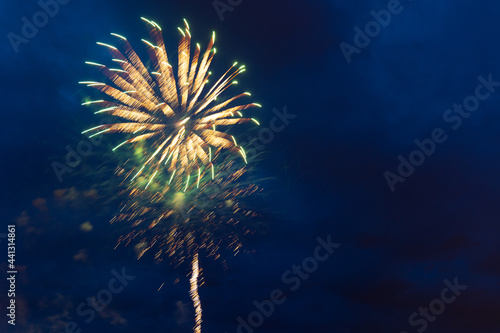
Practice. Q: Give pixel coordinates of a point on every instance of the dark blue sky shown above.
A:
(352, 122)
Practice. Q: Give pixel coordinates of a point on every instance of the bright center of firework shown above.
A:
(178, 200)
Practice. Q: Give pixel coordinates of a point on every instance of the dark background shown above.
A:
(352, 122)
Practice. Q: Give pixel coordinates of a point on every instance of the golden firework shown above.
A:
(172, 109)
(176, 123)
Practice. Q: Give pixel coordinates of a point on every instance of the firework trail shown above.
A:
(194, 293)
(173, 123)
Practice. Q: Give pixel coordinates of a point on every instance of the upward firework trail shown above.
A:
(194, 292)
(173, 111)
(180, 120)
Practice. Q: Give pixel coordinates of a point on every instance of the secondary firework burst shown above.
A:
(173, 110)
(179, 223)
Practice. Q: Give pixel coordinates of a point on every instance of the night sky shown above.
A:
(390, 150)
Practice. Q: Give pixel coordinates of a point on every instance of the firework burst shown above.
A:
(176, 124)
(172, 110)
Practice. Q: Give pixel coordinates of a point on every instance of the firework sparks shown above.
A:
(179, 224)
(173, 110)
